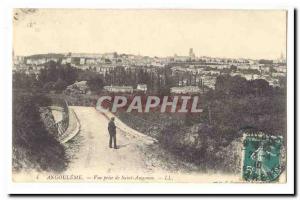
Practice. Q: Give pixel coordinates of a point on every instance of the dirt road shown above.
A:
(134, 156)
(91, 158)
(94, 154)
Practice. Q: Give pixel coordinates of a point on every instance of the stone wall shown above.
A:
(48, 120)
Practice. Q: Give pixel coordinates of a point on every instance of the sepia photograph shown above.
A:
(189, 96)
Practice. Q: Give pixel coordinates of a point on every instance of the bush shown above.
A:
(60, 85)
(33, 146)
(200, 144)
(95, 83)
(49, 86)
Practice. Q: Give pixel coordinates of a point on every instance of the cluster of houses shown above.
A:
(186, 90)
(207, 72)
(143, 88)
(125, 89)
(81, 87)
(204, 69)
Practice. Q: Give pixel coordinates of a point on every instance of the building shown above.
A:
(243, 67)
(281, 68)
(82, 61)
(116, 89)
(220, 67)
(141, 87)
(80, 87)
(256, 66)
(18, 60)
(181, 58)
(90, 61)
(264, 69)
(110, 56)
(66, 60)
(103, 69)
(35, 61)
(278, 74)
(185, 90)
(192, 54)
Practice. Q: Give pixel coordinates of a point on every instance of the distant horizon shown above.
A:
(119, 53)
(235, 34)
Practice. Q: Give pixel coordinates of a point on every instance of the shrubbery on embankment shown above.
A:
(33, 146)
(213, 139)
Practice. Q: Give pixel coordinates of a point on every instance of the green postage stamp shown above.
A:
(262, 157)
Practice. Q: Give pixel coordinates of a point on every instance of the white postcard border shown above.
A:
(134, 188)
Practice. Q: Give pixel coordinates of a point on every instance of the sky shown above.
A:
(252, 34)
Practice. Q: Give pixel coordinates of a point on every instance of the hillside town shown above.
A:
(192, 74)
(191, 96)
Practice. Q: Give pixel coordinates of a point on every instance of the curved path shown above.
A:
(91, 158)
(135, 155)
(94, 155)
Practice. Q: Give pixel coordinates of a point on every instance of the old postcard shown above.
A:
(149, 96)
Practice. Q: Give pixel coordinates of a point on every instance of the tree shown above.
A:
(24, 81)
(95, 83)
(56, 76)
(260, 87)
(33, 146)
(49, 86)
(233, 67)
(60, 85)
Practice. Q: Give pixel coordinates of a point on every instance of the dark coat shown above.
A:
(111, 128)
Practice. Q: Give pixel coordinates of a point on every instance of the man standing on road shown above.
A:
(112, 133)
